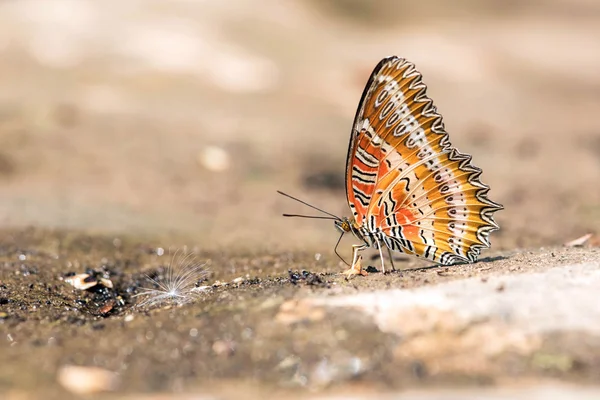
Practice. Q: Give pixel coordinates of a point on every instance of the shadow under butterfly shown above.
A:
(408, 188)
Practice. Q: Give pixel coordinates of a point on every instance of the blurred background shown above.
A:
(184, 117)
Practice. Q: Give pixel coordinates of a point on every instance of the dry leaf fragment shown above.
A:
(580, 241)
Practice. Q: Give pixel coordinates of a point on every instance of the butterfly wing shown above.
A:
(406, 181)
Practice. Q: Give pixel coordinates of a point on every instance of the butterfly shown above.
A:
(409, 190)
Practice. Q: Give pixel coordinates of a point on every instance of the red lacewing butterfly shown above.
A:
(408, 189)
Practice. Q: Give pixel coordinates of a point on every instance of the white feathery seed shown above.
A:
(177, 284)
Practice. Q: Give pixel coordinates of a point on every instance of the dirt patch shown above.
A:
(236, 329)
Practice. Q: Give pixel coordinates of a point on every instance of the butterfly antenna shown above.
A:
(308, 216)
(331, 216)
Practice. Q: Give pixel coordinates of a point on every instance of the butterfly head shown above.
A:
(343, 225)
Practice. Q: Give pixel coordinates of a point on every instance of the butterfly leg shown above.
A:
(356, 268)
(380, 254)
(391, 259)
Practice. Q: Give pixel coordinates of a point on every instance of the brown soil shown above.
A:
(48, 323)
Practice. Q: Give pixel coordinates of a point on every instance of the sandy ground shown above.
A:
(126, 128)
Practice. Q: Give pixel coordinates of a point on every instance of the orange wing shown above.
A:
(405, 181)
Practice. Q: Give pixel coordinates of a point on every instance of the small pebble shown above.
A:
(214, 158)
(224, 348)
(203, 288)
(106, 282)
(87, 380)
(85, 281)
(81, 281)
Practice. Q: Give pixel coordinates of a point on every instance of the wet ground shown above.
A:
(250, 329)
